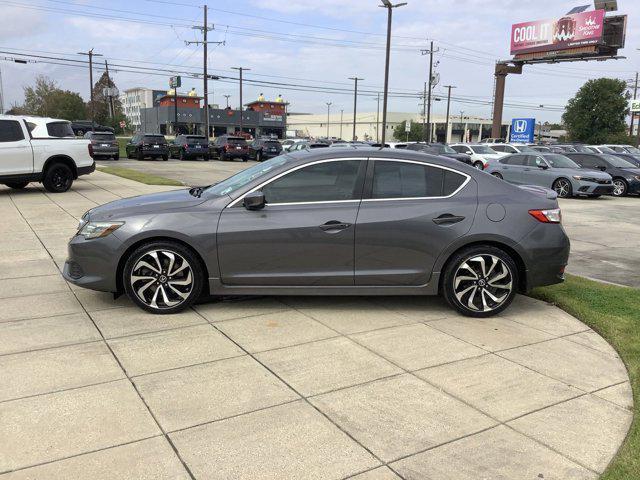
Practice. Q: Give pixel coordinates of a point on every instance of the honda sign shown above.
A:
(522, 130)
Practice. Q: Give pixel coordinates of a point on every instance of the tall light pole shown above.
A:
(90, 54)
(378, 120)
(328, 110)
(446, 128)
(429, 52)
(240, 69)
(227, 97)
(355, 103)
(389, 6)
(462, 139)
(341, 115)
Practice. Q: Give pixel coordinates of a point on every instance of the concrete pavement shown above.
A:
(294, 387)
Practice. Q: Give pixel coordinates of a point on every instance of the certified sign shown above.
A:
(522, 130)
(634, 106)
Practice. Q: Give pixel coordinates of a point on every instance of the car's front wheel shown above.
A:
(163, 277)
(619, 187)
(563, 188)
(480, 281)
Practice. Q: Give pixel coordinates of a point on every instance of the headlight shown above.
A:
(98, 229)
(585, 179)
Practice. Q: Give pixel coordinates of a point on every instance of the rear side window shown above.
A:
(10, 131)
(516, 160)
(411, 180)
(60, 129)
(322, 182)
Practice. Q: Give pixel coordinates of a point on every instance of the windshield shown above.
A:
(481, 149)
(239, 180)
(560, 161)
(582, 149)
(618, 161)
(631, 149)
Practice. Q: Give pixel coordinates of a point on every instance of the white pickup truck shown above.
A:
(35, 149)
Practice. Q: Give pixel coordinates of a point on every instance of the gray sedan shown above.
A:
(552, 170)
(328, 222)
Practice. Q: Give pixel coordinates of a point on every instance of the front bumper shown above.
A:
(93, 263)
(581, 187)
(634, 187)
(547, 253)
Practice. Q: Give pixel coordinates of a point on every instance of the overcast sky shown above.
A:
(305, 43)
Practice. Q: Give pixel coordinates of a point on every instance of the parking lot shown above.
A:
(294, 387)
(605, 245)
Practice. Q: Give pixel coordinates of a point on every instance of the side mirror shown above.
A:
(543, 166)
(602, 167)
(254, 201)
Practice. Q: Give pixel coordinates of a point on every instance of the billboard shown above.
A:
(522, 130)
(570, 31)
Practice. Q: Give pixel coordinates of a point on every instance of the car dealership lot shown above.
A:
(285, 387)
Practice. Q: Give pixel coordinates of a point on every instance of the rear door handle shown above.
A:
(334, 225)
(447, 219)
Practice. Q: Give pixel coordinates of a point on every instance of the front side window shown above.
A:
(321, 182)
(393, 179)
(10, 131)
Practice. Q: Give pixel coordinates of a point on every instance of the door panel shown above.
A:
(287, 245)
(16, 154)
(398, 240)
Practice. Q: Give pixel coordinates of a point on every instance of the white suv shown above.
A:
(34, 149)
(480, 155)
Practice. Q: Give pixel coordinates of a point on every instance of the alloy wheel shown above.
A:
(61, 178)
(619, 188)
(162, 279)
(482, 283)
(562, 187)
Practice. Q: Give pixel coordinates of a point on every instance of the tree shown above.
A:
(415, 135)
(597, 113)
(45, 99)
(101, 107)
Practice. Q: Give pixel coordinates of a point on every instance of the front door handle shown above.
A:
(334, 225)
(447, 219)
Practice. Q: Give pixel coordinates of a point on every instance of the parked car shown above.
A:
(510, 148)
(80, 127)
(313, 145)
(625, 149)
(228, 147)
(541, 148)
(287, 226)
(600, 149)
(574, 148)
(185, 147)
(552, 170)
(289, 142)
(493, 140)
(632, 159)
(562, 149)
(55, 162)
(264, 148)
(626, 176)
(480, 155)
(104, 145)
(143, 145)
(440, 149)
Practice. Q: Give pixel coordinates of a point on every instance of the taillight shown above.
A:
(547, 216)
(226, 147)
(91, 150)
(186, 145)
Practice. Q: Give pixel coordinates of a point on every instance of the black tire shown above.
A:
(206, 158)
(58, 178)
(139, 155)
(258, 156)
(620, 186)
(461, 299)
(244, 159)
(479, 165)
(117, 157)
(497, 175)
(224, 157)
(178, 250)
(181, 155)
(165, 158)
(563, 188)
(17, 185)
(129, 156)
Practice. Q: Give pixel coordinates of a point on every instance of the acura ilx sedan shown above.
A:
(328, 222)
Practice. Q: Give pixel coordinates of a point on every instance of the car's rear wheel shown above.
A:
(259, 157)
(563, 188)
(163, 277)
(140, 155)
(497, 175)
(479, 165)
(58, 178)
(17, 185)
(480, 281)
(620, 187)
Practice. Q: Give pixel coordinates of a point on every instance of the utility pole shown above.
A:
(205, 76)
(240, 69)
(429, 52)
(355, 104)
(328, 110)
(112, 111)
(633, 116)
(90, 54)
(341, 115)
(464, 131)
(389, 6)
(1, 95)
(446, 129)
(424, 113)
(378, 120)
(227, 98)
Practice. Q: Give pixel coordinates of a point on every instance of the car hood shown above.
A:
(143, 204)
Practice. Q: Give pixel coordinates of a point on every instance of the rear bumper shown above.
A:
(87, 170)
(105, 151)
(195, 152)
(547, 254)
(155, 152)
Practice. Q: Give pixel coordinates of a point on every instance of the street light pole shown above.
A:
(378, 120)
(91, 55)
(328, 110)
(446, 131)
(462, 139)
(355, 104)
(240, 69)
(429, 52)
(341, 115)
(389, 6)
